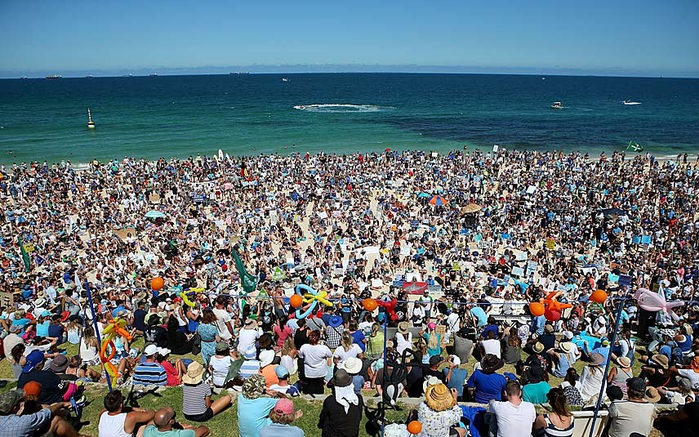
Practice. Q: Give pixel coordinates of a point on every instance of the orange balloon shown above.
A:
(598, 296)
(157, 283)
(296, 300)
(414, 427)
(370, 304)
(537, 309)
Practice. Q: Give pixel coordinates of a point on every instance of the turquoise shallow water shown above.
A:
(249, 114)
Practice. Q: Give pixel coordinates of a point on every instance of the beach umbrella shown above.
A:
(155, 214)
(470, 208)
(438, 201)
(387, 150)
(423, 195)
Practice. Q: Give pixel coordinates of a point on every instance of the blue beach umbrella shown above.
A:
(423, 195)
(438, 201)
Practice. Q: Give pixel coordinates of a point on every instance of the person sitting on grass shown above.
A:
(117, 421)
(282, 415)
(174, 372)
(439, 413)
(253, 408)
(166, 426)
(342, 410)
(535, 388)
(559, 422)
(47, 420)
(150, 372)
(283, 385)
(196, 396)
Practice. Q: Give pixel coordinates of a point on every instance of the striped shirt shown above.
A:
(249, 368)
(194, 398)
(21, 426)
(149, 374)
(552, 431)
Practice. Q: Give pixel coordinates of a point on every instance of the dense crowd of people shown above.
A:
(459, 244)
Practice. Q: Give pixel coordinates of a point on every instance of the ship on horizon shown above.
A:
(239, 73)
(54, 76)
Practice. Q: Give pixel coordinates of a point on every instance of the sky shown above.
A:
(100, 37)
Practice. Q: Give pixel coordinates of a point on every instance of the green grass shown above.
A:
(226, 423)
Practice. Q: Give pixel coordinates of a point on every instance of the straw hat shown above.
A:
(652, 394)
(624, 362)
(195, 372)
(661, 361)
(596, 359)
(538, 347)
(566, 346)
(439, 398)
(403, 327)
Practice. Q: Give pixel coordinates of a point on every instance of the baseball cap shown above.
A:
(281, 371)
(150, 350)
(32, 388)
(284, 406)
(33, 360)
(435, 359)
(9, 399)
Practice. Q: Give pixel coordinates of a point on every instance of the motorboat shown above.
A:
(54, 77)
(630, 103)
(557, 105)
(285, 79)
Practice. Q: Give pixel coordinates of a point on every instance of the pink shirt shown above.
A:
(282, 334)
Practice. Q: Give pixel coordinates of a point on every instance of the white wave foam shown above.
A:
(340, 108)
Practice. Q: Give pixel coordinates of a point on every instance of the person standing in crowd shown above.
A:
(315, 358)
(208, 332)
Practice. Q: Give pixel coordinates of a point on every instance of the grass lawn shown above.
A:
(226, 423)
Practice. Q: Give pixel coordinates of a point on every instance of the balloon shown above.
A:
(389, 307)
(370, 304)
(651, 301)
(312, 297)
(552, 314)
(537, 309)
(111, 369)
(224, 268)
(414, 427)
(296, 300)
(598, 296)
(157, 283)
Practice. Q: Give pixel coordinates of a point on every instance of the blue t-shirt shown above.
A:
(42, 329)
(480, 315)
(488, 386)
(252, 415)
(489, 328)
(457, 380)
(536, 393)
(602, 350)
(357, 337)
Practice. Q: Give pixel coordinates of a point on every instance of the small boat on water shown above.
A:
(54, 77)
(556, 105)
(630, 103)
(153, 75)
(90, 123)
(285, 79)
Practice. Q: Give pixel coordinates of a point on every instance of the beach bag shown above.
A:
(196, 344)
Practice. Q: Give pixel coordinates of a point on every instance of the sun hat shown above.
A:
(194, 375)
(45, 313)
(403, 327)
(596, 359)
(568, 335)
(534, 374)
(490, 363)
(456, 360)
(39, 303)
(548, 329)
(636, 384)
(682, 382)
(335, 321)
(33, 359)
(439, 398)
(566, 346)
(661, 361)
(284, 406)
(695, 364)
(150, 350)
(9, 400)
(652, 394)
(163, 351)
(352, 365)
(431, 325)
(250, 323)
(266, 357)
(254, 386)
(435, 359)
(59, 364)
(250, 352)
(222, 347)
(281, 371)
(538, 347)
(340, 379)
(624, 362)
(32, 388)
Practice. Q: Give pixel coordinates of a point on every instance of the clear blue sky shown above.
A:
(621, 37)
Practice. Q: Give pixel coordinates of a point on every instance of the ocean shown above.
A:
(179, 116)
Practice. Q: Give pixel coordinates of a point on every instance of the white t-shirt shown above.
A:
(341, 354)
(403, 343)
(219, 369)
(514, 421)
(314, 360)
(692, 375)
(491, 347)
(247, 337)
(222, 317)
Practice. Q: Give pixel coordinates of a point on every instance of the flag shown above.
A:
(25, 255)
(248, 281)
(634, 146)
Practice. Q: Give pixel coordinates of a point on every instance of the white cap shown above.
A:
(266, 357)
(150, 350)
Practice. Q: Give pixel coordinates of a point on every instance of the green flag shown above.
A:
(634, 146)
(25, 255)
(248, 281)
